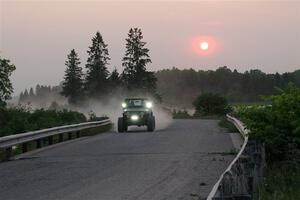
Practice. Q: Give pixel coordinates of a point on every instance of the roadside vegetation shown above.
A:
(206, 106)
(20, 120)
(278, 126)
(181, 114)
(211, 104)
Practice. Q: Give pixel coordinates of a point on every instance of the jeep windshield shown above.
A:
(132, 103)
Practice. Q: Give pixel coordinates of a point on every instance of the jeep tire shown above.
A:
(120, 125)
(151, 124)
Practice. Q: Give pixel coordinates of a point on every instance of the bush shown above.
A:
(278, 125)
(19, 120)
(180, 114)
(211, 104)
(280, 184)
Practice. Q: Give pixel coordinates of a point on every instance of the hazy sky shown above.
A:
(37, 35)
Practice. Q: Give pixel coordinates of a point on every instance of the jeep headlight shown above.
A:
(134, 117)
(124, 105)
(149, 104)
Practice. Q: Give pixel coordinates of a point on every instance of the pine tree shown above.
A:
(96, 83)
(6, 88)
(73, 82)
(31, 92)
(21, 97)
(38, 90)
(114, 79)
(25, 95)
(135, 76)
(114, 83)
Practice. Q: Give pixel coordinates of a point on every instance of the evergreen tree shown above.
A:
(38, 90)
(114, 79)
(21, 97)
(25, 95)
(73, 82)
(135, 76)
(6, 88)
(31, 92)
(96, 83)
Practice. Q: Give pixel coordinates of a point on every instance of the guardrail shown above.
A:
(7, 142)
(242, 177)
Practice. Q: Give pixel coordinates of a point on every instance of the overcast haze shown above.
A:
(37, 36)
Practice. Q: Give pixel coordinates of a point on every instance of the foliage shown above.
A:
(18, 120)
(6, 88)
(181, 114)
(235, 86)
(278, 124)
(72, 86)
(115, 83)
(281, 184)
(96, 83)
(210, 104)
(135, 76)
(92, 116)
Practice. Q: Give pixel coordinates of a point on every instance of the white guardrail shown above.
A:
(244, 132)
(7, 142)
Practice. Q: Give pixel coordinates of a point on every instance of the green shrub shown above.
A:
(19, 120)
(211, 104)
(280, 184)
(180, 114)
(278, 124)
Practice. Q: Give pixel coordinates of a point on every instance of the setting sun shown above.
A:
(204, 46)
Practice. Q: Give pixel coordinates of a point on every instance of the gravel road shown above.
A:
(181, 162)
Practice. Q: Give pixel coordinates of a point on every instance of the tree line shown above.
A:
(41, 96)
(180, 87)
(98, 82)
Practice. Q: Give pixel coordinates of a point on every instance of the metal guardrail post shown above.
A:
(77, 134)
(50, 140)
(24, 147)
(38, 144)
(7, 153)
(61, 137)
(70, 136)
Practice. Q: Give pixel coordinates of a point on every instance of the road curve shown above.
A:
(181, 162)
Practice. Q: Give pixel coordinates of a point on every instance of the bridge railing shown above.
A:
(241, 178)
(7, 142)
